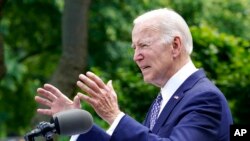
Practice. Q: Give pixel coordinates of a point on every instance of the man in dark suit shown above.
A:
(189, 107)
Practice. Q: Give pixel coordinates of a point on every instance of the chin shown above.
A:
(147, 79)
(150, 80)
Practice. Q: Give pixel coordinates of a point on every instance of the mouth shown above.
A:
(145, 67)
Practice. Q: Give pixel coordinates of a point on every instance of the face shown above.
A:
(152, 54)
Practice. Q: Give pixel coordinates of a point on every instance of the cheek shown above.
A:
(162, 64)
(162, 59)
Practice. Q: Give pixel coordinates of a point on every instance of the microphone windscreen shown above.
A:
(73, 121)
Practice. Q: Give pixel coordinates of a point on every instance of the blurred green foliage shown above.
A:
(32, 41)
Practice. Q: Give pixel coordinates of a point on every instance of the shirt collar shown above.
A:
(176, 80)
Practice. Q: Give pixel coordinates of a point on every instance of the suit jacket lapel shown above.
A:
(176, 98)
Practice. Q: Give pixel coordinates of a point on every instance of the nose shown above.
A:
(137, 55)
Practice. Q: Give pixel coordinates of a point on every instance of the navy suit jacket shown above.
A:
(197, 111)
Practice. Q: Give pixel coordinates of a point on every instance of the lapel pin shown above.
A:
(176, 97)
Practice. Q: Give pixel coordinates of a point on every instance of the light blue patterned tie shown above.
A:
(155, 110)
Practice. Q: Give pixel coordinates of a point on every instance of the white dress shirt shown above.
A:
(167, 92)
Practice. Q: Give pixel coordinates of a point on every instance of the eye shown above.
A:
(133, 46)
(143, 45)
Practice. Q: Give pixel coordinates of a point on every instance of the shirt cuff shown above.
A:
(74, 137)
(114, 124)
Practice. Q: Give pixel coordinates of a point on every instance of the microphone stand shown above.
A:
(43, 128)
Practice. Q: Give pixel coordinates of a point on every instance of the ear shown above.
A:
(177, 46)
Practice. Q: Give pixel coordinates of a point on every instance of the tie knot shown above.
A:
(159, 98)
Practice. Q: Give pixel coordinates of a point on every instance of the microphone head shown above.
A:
(73, 121)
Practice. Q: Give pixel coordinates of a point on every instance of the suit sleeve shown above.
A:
(95, 134)
(130, 130)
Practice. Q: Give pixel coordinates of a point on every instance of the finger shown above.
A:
(89, 83)
(96, 79)
(46, 94)
(86, 89)
(53, 90)
(44, 111)
(43, 101)
(87, 99)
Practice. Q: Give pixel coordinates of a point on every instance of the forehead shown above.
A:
(145, 31)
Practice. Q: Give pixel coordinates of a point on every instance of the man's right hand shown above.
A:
(50, 96)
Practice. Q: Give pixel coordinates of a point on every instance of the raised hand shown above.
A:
(55, 100)
(100, 96)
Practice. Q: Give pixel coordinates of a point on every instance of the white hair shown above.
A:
(171, 24)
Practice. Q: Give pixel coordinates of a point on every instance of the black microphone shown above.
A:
(69, 122)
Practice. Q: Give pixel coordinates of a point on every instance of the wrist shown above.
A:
(114, 117)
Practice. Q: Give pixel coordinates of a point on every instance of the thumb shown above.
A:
(110, 86)
(76, 101)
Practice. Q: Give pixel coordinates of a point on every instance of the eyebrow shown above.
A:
(141, 42)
